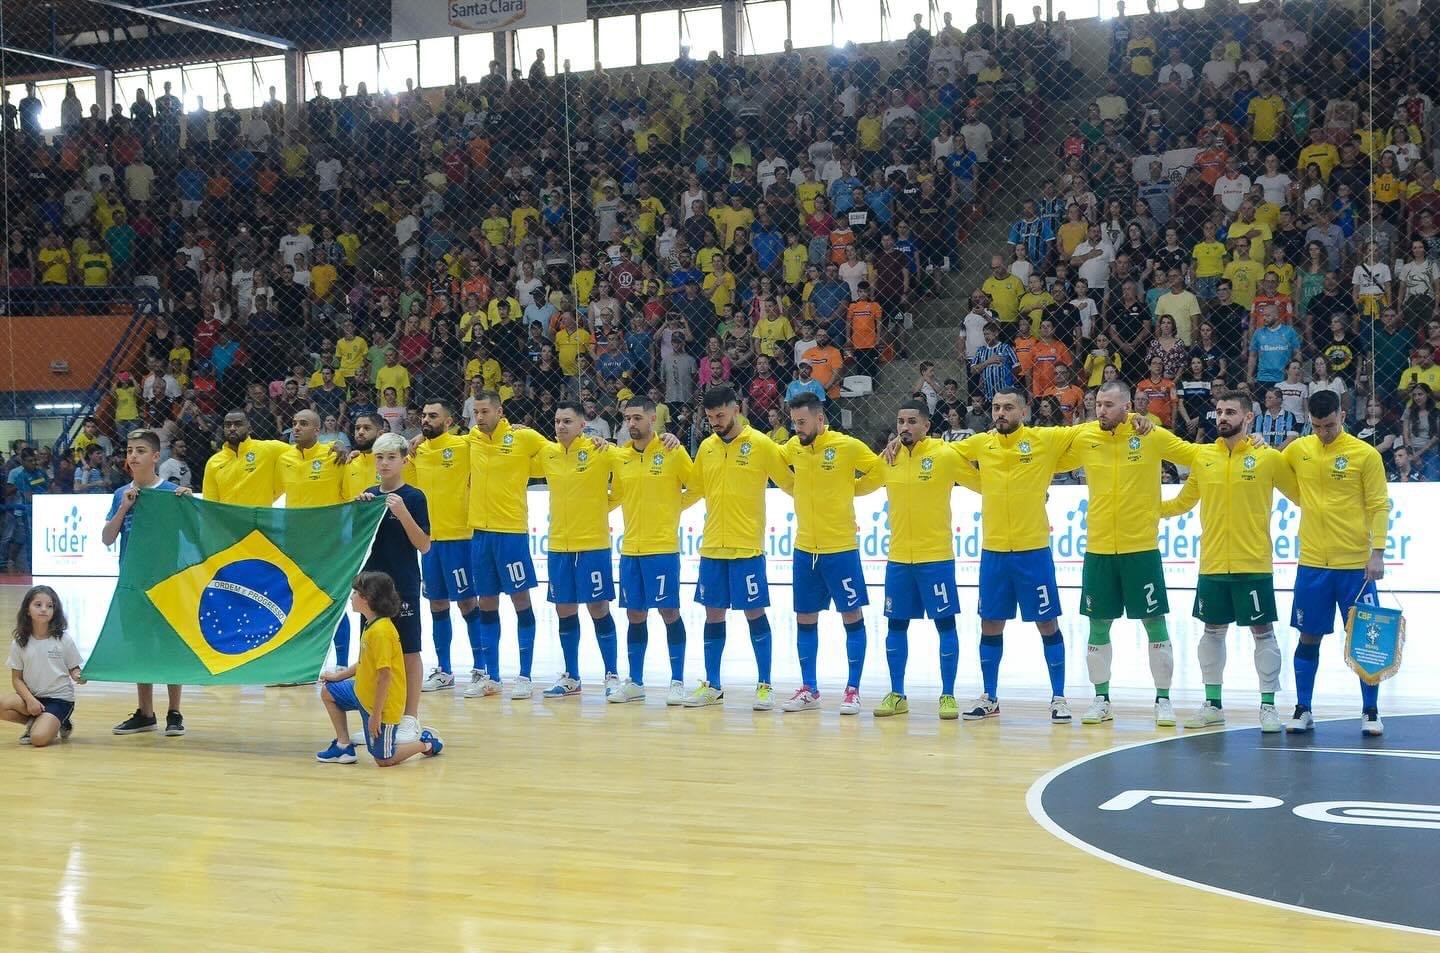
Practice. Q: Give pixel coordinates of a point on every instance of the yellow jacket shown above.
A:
(579, 481)
(500, 465)
(1236, 491)
(311, 477)
(825, 490)
(1344, 502)
(732, 476)
(1122, 470)
(442, 472)
(918, 484)
(649, 488)
(245, 476)
(1015, 474)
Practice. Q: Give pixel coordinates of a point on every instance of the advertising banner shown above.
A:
(67, 537)
(419, 19)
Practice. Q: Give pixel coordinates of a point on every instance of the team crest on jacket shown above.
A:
(583, 457)
(250, 456)
(658, 460)
(1023, 446)
(447, 454)
(1342, 462)
(927, 464)
(745, 449)
(829, 454)
(1134, 443)
(508, 439)
(1249, 462)
(315, 466)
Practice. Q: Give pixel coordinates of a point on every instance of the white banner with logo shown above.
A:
(419, 19)
(66, 535)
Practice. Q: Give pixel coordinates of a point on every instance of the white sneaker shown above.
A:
(677, 694)
(612, 684)
(1098, 712)
(704, 696)
(481, 684)
(437, 680)
(981, 708)
(1300, 722)
(564, 687)
(1208, 716)
(521, 689)
(802, 700)
(1371, 725)
(1270, 720)
(409, 729)
(850, 704)
(626, 691)
(1060, 711)
(1164, 713)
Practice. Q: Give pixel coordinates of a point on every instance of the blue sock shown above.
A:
(475, 631)
(949, 654)
(760, 641)
(342, 641)
(570, 644)
(807, 646)
(442, 632)
(714, 648)
(605, 635)
(855, 651)
(525, 635)
(897, 653)
(637, 634)
(1307, 663)
(1055, 659)
(489, 625)
(992, 647)
(675, 642)
(1369, 697)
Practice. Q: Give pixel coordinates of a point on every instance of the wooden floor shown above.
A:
(579, 826)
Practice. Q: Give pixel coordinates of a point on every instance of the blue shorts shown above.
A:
(445, 569)
(733, 583)
(407, 623)
(577, 578)
(500, 563)
(921, 590)
(381, 746)
(1025, 580)
(1319, 593)
(59, 707)
(650, 582)
(820, 580)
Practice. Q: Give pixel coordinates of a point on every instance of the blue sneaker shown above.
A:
(337, 754)
(436, 745)
(564, 687)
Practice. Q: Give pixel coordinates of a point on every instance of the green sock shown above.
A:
(1212, 695)
(1267, 698)
(1102, 690)
(1156, 631)
(1100, 635)
(1162, 693)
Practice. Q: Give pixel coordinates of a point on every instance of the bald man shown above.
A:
(311, 474)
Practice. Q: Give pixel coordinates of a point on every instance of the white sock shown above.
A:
(1212, 654)
(1162, 663)
(1267, 660)
(1098, 660)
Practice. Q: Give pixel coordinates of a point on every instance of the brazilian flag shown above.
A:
(213, 594)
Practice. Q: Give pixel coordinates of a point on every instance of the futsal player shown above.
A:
(442, 473)
(1235, 484)
(403, 536)
(1344, 519)
(826, 560)
(359, 474)
(920, 573)
(142, 458)
(244, 470)
(311, 475)
(501, 458)
(1017, 571)
(1122, 574)
(580, 567)
(649, 485)
(731, 470)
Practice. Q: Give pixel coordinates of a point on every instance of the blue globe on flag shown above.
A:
(244, 605)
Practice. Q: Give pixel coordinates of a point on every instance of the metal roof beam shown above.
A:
(207, 26)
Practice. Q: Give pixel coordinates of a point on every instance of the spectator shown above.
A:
(805, 383)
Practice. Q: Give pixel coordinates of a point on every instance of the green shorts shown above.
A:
(1243, 597)
(1131, 585)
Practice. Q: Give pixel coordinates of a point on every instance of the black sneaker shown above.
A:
(135, 724)
(174, 724)
(66, 730)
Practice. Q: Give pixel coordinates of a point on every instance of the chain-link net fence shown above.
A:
(220, 205)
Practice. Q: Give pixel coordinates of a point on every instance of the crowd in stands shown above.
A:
(1251, 203)
(1252, 200)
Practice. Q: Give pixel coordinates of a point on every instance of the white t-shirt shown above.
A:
(1088, 313)
(852, 273)
(1181, 71)
(293, 247)
(328, 172)
(1418, 277)
(978, 138)
(45, 666)
(1218, 71)
(1371, 280)
(1231, 191)
(1274, 186)
(175, 470)
(139, 181)
(974, 332)
(1096, 271)
(1292, 397)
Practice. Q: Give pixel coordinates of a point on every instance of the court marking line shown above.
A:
(1035, 805)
